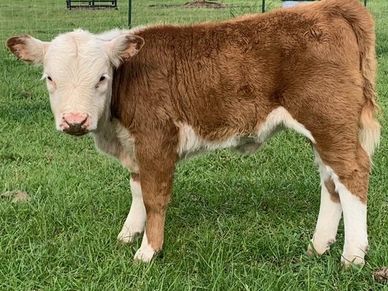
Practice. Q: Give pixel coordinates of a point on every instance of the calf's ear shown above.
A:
(123, 47)
(27, 48)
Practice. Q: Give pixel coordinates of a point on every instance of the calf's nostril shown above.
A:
(84, 121)
(75, 123)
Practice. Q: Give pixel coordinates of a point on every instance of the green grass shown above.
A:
(235, 222)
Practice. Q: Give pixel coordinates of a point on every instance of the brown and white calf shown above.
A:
(151, 96)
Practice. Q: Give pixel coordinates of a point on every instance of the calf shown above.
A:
(151, 96)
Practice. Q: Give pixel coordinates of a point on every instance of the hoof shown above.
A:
(145, 254)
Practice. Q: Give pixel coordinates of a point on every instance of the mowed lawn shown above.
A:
(235, 222)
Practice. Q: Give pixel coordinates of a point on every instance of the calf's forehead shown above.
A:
(76, 52)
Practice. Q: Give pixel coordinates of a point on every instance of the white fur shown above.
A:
(281, 117)
(329, 215)
(111, 34)
(74, 63)
(126, 139)
(145, 253)
(128, 159)
(355, 222)
(191, 143)
(115, 140)
(370, 136)
(135, 222)
(139, 28)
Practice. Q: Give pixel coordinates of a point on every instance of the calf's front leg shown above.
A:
(156, 195)
(136, 219)
(156, 165)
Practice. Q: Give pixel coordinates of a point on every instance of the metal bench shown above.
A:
(91, 4)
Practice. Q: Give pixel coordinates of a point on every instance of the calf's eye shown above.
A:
(102, 78)
(49, 78)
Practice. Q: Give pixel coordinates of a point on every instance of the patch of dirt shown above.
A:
(165, 5)
(26, 94)
(16, 196)
(204, 4)
(381, 275)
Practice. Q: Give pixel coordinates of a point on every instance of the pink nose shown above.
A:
(75, 123)
(75, 118)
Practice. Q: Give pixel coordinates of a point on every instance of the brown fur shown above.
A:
(135, 177)
(329, 184)
(14, 44)
(223, 79)
(18, 45)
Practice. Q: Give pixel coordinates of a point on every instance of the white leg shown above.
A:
(135, 222)
(356, 237)
(327, 224)
(329, 214)
(145, 253)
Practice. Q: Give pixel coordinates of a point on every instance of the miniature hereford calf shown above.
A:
(151, 96)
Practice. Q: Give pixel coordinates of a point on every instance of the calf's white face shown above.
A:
(78, 69)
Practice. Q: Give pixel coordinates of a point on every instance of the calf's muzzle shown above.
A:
(75, 123)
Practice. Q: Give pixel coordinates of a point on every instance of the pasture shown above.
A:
(235, 222)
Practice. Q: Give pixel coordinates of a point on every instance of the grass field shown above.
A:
(235, 222)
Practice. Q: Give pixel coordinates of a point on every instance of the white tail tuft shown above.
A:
(369, 134)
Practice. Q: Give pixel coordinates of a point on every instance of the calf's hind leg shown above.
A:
(348, 166)
(330, 213)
